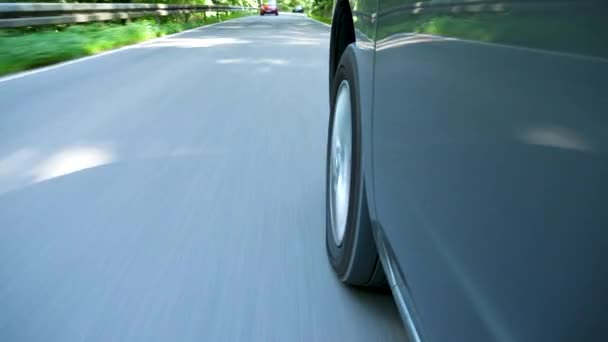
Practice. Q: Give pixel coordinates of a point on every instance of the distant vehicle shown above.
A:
(269, 7)
(298, 9)
(467, 164)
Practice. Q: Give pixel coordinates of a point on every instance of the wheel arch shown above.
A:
(344, 33)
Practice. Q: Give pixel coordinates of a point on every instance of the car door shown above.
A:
(489, 152)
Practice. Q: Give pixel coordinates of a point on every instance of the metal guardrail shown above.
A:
(13, 15)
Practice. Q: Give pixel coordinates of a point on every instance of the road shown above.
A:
(174, 191)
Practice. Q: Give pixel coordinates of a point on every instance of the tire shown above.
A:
(276, 13)
(354, 258)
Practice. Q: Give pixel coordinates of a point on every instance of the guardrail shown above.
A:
(13, 15)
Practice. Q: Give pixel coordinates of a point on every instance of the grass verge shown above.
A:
(25, 49)
(322, 19)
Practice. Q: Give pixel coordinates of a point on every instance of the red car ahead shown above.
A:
(269, 7)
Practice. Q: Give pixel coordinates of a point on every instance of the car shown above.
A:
(269, 7)
(466, 164)
(298, 9)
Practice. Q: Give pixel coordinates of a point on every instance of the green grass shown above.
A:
(25, 49)
(320, 18)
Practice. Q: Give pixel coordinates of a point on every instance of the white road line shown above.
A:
(82, 59)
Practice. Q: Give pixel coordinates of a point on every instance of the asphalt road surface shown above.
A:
(198, 210)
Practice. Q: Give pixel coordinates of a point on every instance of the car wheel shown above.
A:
(349, 241)
(276, 13)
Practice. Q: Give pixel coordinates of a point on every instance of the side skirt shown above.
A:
(397, 284)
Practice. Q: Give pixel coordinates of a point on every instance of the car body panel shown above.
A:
(485, 162)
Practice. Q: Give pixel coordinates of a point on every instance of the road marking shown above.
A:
(101, 54)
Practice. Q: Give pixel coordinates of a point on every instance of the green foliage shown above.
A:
(288, 5)
(322, 8)
(321, 19)
(248, 3)
(23, 49)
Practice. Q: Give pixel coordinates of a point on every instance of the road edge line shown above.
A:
(318, 21)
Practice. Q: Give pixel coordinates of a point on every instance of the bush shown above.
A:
(30, 48)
